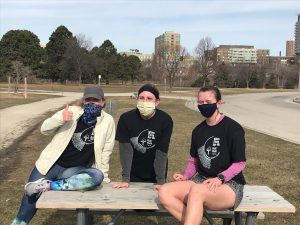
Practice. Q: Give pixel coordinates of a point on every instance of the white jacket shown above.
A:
(104, 138)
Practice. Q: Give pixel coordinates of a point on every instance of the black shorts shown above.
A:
(236, 187)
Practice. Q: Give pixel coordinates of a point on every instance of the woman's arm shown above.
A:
(191, 168)
(233, 170)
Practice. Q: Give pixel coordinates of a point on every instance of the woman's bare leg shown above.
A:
(223, 197)
(174, 196)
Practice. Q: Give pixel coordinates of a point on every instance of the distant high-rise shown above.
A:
(167, 46)
(168, 41)
(297, 36)
(290, 48)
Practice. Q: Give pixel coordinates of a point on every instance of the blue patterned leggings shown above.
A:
(73, 178)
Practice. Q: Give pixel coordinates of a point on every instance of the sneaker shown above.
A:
(18, 222)
(37, 187)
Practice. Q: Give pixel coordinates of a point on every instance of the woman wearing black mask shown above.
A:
(78, 155)
(213, 178)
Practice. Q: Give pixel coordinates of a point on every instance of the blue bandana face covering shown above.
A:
(91, 112)
(207, 110)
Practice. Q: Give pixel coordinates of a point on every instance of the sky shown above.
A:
(134, 24)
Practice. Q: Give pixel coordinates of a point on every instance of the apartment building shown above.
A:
(235, 54)
(263, 56)
(290, 48)
(168, 41)
(143, 57)
(297, 37)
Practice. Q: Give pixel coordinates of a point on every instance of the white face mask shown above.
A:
(146, 108)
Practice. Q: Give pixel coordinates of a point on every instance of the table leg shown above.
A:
(250, 219)
(238, 219)
(208, 218)
(82, 216)
(116, 217)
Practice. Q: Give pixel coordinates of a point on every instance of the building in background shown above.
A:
(143, 57)
(297, 37)
(167, 49)
(168, 41)
(263, 56)
(290, 48)
(235, 54)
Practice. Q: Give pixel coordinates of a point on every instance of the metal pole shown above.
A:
(82, 216)
(8, 84)
(25, 87)
(116, 217)
(165, 81)
(250, 219)
(180, 82)
(99, 79)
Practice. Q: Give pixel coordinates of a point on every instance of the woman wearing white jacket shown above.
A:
(77, 158)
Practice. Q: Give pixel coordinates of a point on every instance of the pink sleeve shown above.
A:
(191, 168)
(233, 170)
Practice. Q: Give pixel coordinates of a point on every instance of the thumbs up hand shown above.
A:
(67, 115)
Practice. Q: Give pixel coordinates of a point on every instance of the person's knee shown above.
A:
(197, 192)
(97, 177)
(164, 194)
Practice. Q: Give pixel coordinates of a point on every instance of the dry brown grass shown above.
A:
(270, 161)
(11, 99)
(115, 88)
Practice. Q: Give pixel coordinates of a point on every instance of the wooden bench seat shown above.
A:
(105, 200)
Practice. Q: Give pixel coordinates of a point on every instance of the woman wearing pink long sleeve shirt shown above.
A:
(213, 178)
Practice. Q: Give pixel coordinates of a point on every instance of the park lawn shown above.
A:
(270, 161)
(125, 88)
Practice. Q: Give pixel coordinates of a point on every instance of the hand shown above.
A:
(213, 183)
(179, 177)
(67, 115)
(156, 187)
(120, 185)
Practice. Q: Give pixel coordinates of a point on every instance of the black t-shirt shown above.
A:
(145, 136)
(217, 147)
(80, 150)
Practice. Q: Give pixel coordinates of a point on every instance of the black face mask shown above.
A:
(207, 110)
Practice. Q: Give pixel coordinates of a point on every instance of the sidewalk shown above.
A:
(16, 120)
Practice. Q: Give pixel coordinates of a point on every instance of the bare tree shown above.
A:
(156, 68)
(18, 73)
(170, 62)
(204, 58)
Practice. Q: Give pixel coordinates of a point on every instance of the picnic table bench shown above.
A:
(141, 196)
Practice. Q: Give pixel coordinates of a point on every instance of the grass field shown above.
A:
(11, 99)
(270, 161)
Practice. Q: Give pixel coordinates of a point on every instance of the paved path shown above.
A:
(16, 120)
(270, 113)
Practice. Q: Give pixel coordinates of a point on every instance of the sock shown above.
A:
(76, 182)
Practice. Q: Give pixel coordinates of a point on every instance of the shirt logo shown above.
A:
(209, 151)
(86, 137)
(144, 141)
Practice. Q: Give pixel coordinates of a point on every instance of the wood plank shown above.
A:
(142, 196)
(138, 196)
(263, 199)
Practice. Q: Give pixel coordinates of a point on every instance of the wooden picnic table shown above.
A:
(257, 199)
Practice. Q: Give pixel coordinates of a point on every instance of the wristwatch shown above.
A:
(221, 178)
